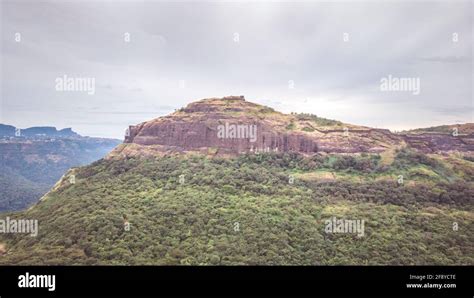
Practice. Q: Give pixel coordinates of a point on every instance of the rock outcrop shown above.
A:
(440, 142)
(232, 125)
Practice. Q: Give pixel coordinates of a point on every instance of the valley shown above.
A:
(32, 160)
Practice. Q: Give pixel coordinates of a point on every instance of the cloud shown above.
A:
(455, 111)
(195, 43)
(447, 59)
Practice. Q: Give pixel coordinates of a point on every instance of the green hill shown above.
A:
(245, 210)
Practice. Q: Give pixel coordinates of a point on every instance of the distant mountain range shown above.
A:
(33, 159)
(39, 131)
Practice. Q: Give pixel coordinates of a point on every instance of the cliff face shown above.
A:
(232, 125)
(184, 135)
(440, 142)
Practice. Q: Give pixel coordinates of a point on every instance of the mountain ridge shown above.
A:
(36, 131)
(194, 128)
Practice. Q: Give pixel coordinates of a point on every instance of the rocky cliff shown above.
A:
(232, 125)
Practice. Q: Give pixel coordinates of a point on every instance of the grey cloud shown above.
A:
(447, 59)
(194, 41)
(455, 111)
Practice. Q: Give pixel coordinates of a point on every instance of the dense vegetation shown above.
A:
(254, 209)
(17, 192)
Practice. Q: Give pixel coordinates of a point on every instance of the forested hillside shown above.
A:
(266, 208)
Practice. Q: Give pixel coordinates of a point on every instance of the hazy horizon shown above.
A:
(121, 137)
(315, 57)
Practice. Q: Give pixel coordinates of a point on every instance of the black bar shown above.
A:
(288, 281)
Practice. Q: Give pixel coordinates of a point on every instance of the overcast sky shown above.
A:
(334, 55)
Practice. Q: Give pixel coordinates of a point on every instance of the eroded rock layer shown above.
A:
(232, 125)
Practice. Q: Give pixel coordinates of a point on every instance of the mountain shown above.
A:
(35, 159)
(39, 131)
(225, 181)
(7, 130)
(195, 128)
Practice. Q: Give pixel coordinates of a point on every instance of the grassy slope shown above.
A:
(278, 222)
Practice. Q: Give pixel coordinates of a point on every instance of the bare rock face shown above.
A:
(183, 135)
(438, 142)
(231, 125)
